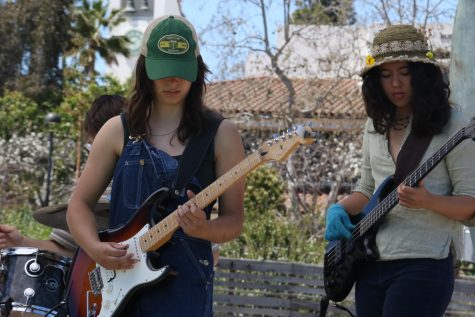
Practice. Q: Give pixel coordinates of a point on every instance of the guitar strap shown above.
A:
(194, 154)
(410, 155)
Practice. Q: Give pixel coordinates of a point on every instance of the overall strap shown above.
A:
(125, 125)
(194, 154)
(410, 155)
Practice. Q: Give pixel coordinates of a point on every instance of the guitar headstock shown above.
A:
(280, 147)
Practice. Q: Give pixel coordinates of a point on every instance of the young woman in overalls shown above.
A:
(165, 111)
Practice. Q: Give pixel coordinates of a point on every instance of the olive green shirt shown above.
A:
(420, 233)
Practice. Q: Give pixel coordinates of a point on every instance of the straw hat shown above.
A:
(399, 43)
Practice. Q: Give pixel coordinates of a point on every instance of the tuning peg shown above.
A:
(300, 130)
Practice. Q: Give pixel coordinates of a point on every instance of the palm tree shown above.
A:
(92, 20)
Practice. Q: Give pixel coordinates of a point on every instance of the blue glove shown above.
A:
(338, 224)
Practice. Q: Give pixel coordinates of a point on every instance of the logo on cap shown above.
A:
(173, 44)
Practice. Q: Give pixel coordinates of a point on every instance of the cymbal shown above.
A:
(55, 216)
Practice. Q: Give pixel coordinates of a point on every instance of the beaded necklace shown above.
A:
(401, 123)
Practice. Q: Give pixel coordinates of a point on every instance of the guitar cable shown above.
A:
(324, 301)
(61, 303)
(323, 306)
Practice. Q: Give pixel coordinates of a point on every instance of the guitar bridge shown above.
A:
(95, 280)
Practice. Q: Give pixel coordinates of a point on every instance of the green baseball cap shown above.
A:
(170, 47)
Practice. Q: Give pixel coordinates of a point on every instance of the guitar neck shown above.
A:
(162, 231)
(392, 198)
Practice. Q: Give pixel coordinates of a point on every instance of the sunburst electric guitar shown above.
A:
(343, 258)
(96, 291)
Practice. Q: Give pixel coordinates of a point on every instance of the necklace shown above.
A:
(401, 123)
(164, 134)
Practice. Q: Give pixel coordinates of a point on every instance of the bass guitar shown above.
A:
(97, 291)
(343, 258)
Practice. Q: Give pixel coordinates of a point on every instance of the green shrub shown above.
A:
(18, 114)
(267, 234)
(21, 217)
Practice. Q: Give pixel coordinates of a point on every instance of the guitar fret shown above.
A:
(248, 163)
(199, 200)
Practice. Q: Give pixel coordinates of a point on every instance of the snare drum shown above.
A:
(35, 279)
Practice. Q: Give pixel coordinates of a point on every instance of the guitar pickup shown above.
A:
(95, 280)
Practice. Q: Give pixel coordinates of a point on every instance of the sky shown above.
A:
(201, 13)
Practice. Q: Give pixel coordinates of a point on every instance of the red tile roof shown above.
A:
(316, 98)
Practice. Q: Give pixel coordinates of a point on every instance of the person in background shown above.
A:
(166, 110)
(404, 90)
(60, 241)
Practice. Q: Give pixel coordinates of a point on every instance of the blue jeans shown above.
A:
(404, 288)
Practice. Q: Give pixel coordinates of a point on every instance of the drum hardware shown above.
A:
(35, 279)
(32, 268)
(28, 293)
(6, 305)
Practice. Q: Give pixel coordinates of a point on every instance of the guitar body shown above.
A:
(344, 258)
(96, 291)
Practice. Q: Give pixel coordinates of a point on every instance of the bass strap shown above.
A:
(410, 155)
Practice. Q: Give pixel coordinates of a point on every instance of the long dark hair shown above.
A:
(141, 101)
(430, 100)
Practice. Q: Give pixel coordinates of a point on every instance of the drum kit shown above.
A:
(33, 282)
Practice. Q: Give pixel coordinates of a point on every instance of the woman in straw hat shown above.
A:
(404, 91)
(165, 112)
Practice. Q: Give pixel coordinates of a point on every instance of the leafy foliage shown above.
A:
(18, 114)
(24, 142)
(21, 217)
(267, 233)
(76, 102)
(90, 23)
(338, 12)
(34, 35)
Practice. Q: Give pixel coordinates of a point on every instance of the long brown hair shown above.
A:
(141, 102)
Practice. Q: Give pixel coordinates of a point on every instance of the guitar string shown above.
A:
(378, 211)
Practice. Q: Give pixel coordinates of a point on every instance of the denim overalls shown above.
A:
(140, 170)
